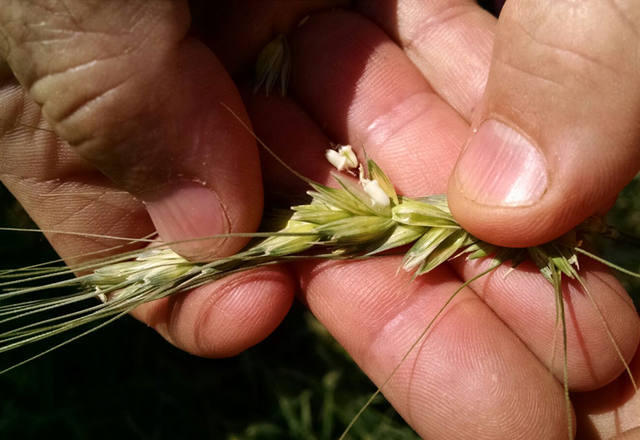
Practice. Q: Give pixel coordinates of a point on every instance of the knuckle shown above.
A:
(79, 59)
(570, 43)
(437, 22)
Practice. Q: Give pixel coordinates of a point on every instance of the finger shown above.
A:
(633, 434)
(349, 116)
(237, 31)
(449, 41)
(225, 317)
(58, 189)
(140, 101)
(62, 192)
(364, 304)
(378, 100)
(612, 410)
(301, 146)
(557, 131)
(470, 368)
(525, 301)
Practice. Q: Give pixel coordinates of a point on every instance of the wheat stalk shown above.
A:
(356, 219)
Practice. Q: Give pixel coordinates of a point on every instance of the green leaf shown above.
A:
(288, 244)
(273, 64)
(437, 200)
(543, 260)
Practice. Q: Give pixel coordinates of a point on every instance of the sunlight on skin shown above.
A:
(354, 85)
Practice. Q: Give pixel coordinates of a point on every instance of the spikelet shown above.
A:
(356, 219)
(348, 221)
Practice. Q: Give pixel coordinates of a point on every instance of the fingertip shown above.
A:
(547, 152)
(187, 211)
(601, 326)
(511, 190)
(226, 317)
(499, 179)
(211, 182)
(466, 373)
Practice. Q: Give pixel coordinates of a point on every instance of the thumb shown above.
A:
(556, 135)
(139, 100)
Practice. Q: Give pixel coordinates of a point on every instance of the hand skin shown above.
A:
(134, 95)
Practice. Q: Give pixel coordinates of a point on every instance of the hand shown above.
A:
(484, 366)
(365, 90)
(134, 97)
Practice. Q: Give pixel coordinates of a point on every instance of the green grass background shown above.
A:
(125, 382)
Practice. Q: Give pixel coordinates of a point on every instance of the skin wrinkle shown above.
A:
(439, 19)
(488, 289)
(126, 40)
(570, 313)
(113, 227)
(128, 46)
(40, 139)
(58, 35)
(564, 51)
(626, 19)
(51, 76)
(77, 20)
(532, 74)
(70, 14)
(94, 217)
(58, 184)
(85, 106)
(67, 34)
(462, 97)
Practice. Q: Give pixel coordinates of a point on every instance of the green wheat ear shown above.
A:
(273, 66)
(354, 220)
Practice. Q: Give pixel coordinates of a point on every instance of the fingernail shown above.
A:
(500, 167)
(186, 211)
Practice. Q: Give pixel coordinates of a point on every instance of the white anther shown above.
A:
(342, 159)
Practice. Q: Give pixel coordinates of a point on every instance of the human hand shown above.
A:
(359, 87)
(382, 101)
(133, 96)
